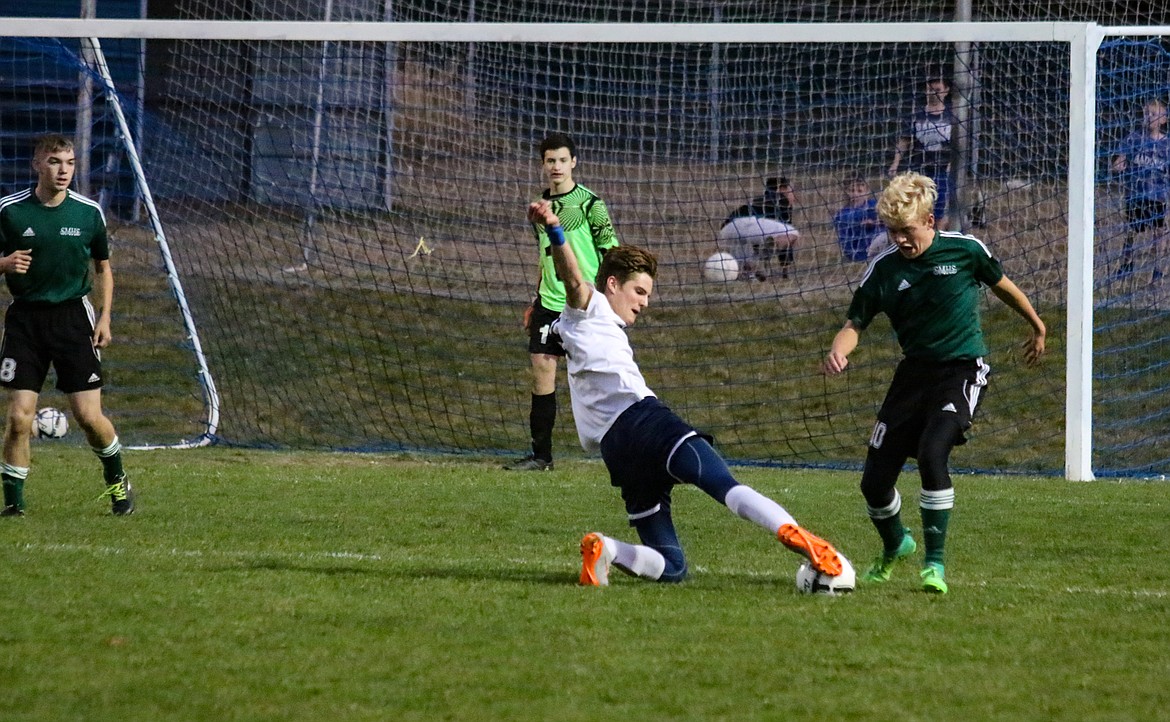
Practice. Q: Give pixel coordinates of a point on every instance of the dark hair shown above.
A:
(51, 143)
(625, 262)
(557, 140)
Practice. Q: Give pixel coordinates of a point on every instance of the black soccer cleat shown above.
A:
(121, 497)
(12, 510)
(530, 463)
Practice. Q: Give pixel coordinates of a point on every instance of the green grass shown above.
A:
(279, 586)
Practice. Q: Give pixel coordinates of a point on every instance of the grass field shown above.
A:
(277, 586)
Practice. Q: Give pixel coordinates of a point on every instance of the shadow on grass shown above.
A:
(430, 571)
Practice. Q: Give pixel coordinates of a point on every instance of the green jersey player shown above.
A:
(928, 284)
(49, 236)
(589, 231)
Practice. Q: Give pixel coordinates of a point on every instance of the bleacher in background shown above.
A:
(34, 101)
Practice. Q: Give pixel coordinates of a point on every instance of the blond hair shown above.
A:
(909, 197)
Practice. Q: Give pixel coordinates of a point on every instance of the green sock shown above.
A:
(891, 531)
(13, 491)
(888, 522)
(111, 458)
(934, 533)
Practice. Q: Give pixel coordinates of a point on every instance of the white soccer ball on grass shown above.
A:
(50, 423)
(721, 267)
(810, 581)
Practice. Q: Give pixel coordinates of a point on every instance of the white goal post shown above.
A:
(1082, 39)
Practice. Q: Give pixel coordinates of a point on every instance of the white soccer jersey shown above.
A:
(604, 379)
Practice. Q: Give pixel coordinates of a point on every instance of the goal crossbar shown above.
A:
(549, 32)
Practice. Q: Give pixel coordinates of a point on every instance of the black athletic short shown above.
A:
(541, 339)
(1145, 214)
(923, 389)
(39, 335)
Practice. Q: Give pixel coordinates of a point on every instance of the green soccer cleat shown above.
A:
(932, 578)
(881, 568)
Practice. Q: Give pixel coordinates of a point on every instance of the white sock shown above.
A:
(641, 561)
(888, 511)
(757, 508)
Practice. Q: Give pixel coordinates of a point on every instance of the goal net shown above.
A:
(347, 217)
(160, 393)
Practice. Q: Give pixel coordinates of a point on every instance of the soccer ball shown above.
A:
(721, 267)
(810, 581)
(50, 423)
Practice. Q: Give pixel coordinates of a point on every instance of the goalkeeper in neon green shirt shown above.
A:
(589, 231)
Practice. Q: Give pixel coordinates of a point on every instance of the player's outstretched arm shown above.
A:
(843, 344)
(1011, 295)
(577, 291)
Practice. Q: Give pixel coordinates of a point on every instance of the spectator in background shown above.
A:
(1143, 162)
(856, 221)
(925, 144)
(761, 230)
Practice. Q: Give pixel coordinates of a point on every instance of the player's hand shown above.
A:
(542, 212)
(17, 261)
(834, 364)
(101, 334)
(1034, 349)
(528, 318)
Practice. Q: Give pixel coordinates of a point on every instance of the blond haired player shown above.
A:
(929, 285)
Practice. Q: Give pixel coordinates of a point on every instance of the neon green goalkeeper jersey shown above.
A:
(588, 230)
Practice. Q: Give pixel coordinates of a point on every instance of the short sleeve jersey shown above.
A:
(64, 240)
(933, 300)
(588, 231)
(604, 379)
(1148, 165)
(930, 133)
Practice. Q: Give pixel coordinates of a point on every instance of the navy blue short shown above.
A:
(636, 449)
(1145, 214)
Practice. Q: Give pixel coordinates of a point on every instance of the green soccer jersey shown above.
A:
(64, 240)
(588, 230)
(933, 300)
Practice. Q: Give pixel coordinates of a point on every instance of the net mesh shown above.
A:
(347, 219)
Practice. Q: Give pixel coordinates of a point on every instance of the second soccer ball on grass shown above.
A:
(50, 423)
(721, 267)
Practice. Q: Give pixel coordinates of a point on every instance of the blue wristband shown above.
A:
(556, 235)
